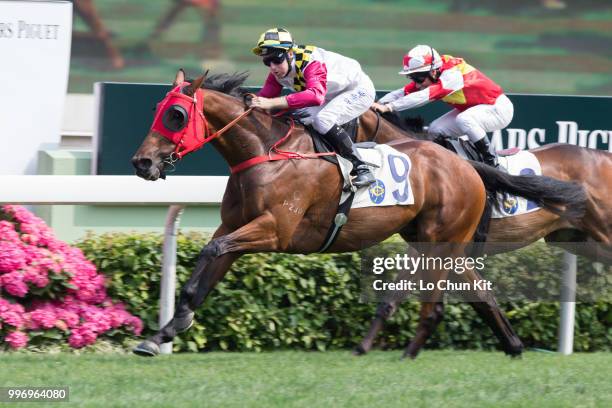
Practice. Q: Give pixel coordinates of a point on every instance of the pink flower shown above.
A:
(4, 305)
(12, 257)
(36, 276)
(76, 340)
(13, 318)
(136, 325)
(82, 336)
(7, 307)
(69, 317)
(16, 339)
(45, 318)
(13, 283)
(117, 317)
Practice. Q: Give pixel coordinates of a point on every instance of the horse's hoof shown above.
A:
(184, 323)
(359, 350)
(147, 349)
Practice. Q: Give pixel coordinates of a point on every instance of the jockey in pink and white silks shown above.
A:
(330, 90)
(480, 105)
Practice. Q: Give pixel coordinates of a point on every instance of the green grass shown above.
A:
(280, 379)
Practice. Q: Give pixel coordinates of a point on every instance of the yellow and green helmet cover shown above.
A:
(278, 38)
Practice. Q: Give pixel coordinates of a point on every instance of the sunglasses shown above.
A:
(273, 59)
(419, 78)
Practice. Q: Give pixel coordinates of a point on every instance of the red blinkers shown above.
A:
(180, 119)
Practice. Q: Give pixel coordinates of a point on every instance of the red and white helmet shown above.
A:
(421, 58)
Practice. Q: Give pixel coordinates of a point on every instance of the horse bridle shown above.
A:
(189, 137)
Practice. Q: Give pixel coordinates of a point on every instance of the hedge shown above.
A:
(270, 301)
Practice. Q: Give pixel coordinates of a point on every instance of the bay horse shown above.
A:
(282, 203)
(589, 168)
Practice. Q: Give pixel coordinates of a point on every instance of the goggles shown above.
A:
(276, 59)
(418, 77)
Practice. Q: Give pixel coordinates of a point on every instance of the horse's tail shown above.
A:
(560, 197)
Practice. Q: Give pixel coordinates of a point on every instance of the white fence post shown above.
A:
(568, 305)
(168, 272)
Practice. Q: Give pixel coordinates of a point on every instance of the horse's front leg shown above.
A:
(215, 260)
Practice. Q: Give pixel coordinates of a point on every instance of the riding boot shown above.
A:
(488, 154)
(344, 146)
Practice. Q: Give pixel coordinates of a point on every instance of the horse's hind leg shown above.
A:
(486, 306)
(385, 310)
(432, 306)
(430, 316)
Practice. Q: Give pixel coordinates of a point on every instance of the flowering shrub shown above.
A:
(49, 291)
(271, 300)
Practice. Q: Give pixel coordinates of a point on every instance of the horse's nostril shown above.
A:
(142, 163)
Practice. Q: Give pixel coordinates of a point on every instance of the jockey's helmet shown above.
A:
(421, 58)
(273, 40)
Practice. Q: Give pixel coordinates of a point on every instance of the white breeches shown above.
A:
(342, 108)
(476, 121)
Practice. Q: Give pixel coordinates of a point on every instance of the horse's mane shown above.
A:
(230, 84)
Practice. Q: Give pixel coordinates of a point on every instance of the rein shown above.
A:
(278, 154)
(377, 126)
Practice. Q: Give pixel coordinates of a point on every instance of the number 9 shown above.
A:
(399, 177)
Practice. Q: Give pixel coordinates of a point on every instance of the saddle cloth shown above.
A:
(392, 171)
(521, 163)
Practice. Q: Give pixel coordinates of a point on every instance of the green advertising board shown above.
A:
(125, 113)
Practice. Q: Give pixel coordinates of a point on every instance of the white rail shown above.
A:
(178, 192)
(111, 190)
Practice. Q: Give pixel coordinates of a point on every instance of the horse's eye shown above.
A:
(175, 118)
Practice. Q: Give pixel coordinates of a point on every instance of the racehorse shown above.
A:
(281, 201)
(592, 169)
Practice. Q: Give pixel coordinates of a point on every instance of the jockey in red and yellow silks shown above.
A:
(329, 90)
(480, 105)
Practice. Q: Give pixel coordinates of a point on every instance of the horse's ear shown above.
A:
(197, 83)
(180, 77)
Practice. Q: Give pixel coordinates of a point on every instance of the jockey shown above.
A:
(330, 90)
(480, 105)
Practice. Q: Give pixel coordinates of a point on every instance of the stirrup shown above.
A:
(363, 176)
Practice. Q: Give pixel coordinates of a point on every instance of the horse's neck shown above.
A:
(240, 142)
(388, 132)
(376, 128)
(252, 136)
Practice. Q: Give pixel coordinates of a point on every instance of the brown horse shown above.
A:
(288, 205)
(592, 169)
